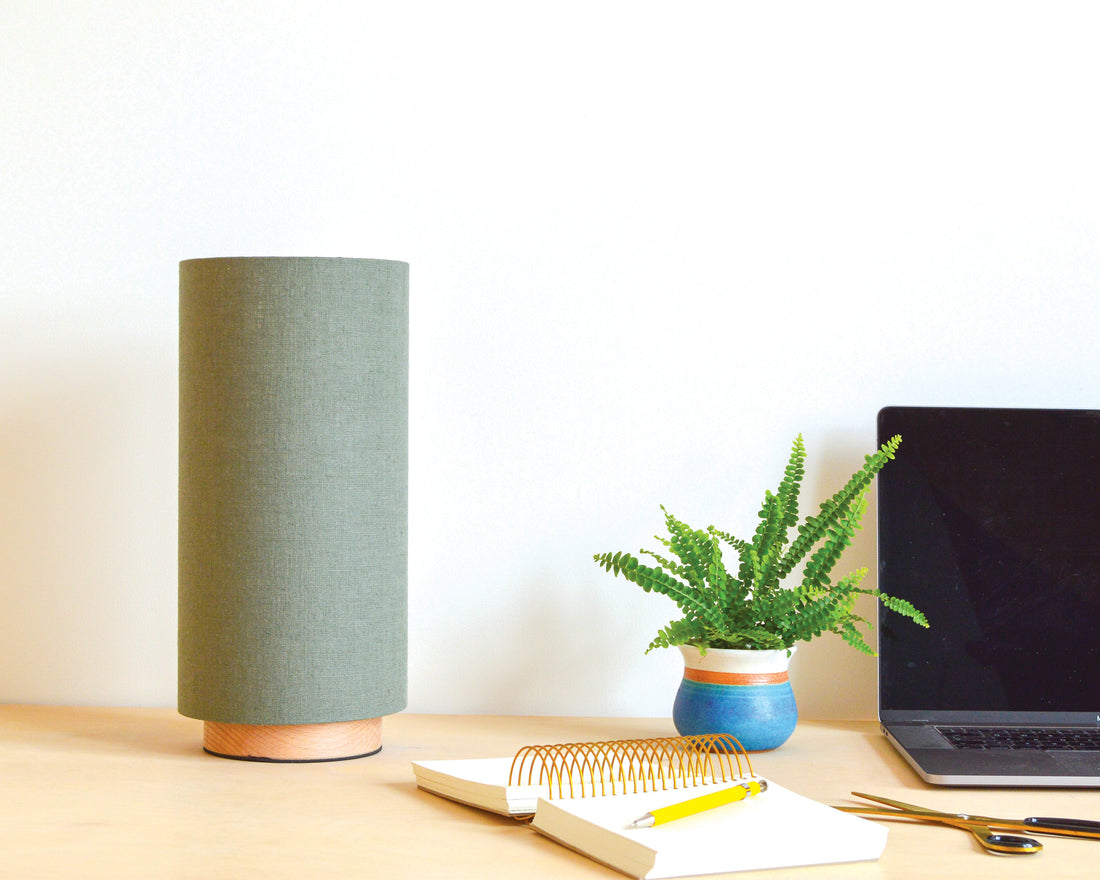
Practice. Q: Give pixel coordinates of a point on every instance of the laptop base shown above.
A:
(940, 764)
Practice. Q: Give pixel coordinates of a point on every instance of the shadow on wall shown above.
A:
(88, 529)
(571, 643)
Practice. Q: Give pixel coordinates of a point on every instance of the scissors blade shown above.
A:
(1083, 828)
(1010, 844)
(901, 805)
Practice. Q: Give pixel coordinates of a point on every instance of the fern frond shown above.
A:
(771, 524)
(815, 527)
(838, 538)
(792, 482)
(754, 638)
(904, 608)
(678, 569)
(779, 513)
(847, 630)
(820, 611)
(693, 547)
(753, 609)
(851, 582)
(687, 631)
(734, 590)
(743, 548)
(691, 600)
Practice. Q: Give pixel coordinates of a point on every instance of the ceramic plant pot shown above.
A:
(746, 694)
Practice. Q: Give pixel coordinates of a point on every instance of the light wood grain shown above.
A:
(98, 793)
(293, 742)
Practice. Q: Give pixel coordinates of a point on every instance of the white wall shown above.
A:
(649, 244)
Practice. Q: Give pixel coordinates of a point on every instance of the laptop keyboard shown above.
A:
(1076, 739)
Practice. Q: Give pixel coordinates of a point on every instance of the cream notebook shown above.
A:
(586, 795)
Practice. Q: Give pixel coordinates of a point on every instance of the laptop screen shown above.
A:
(989, 522)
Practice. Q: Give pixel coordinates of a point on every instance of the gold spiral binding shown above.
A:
(631, 765)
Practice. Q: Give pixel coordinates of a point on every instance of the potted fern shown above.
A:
(740, 627)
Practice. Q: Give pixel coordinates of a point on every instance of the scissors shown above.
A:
(982, 826)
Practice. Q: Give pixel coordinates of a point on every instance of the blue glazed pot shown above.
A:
(746, 694)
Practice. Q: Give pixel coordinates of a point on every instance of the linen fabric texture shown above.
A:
(293, 489)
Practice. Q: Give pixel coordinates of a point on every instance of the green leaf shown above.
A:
(754, 609)
(815, 527)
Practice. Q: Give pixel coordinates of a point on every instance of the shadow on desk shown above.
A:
(844, 755)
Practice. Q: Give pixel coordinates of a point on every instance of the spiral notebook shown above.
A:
(585, 795)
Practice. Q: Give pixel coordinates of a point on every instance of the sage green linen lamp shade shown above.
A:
(293, 503)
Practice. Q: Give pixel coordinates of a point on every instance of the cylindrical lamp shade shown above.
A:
(293, 503)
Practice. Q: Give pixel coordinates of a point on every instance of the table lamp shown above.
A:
(293, 503)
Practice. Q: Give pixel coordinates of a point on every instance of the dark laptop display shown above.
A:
(989, 522)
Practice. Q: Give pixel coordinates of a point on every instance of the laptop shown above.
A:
(989, 522)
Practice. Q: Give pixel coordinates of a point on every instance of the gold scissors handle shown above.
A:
(1014, 844)
(978, 826)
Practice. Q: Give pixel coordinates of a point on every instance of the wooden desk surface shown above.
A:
(128, 793)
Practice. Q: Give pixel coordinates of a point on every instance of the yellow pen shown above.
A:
(698, 804)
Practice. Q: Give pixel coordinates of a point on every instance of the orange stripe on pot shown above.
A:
(745, 678)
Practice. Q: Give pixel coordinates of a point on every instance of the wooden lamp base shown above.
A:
(336, 741)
